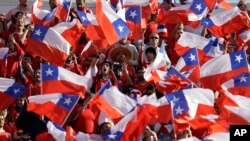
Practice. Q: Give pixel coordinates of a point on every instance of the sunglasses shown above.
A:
(154, 38)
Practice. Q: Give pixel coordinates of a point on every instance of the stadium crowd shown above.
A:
(125, 64)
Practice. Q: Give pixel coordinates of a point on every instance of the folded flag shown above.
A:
(9, 92)
(64, 80)
(56, 107)
(62, 9)
(48, 44)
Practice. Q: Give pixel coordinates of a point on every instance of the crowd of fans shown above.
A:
(123, 63)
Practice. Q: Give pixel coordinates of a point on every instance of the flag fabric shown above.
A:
(62, 9)
(114, 28)
(64, 80)
(171, 81)
(3, 54)
(190, 40)
(93, 29)
(48, 44)
(56, 107)
(137, 3)
(9, 92)
(190, 104)
(239, 85)
(220, 69)
(226, 22)
(200, 8)
(244, 36)
(57, 132)
(221, 136)
(237, 112)
(133, 15)
(158, 109)
(189, 64)
(70, 31)
(130, 127)
(42, 17)
(112, 103)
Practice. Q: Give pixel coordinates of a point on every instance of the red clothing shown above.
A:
(140, 85)
(13, 60)
(5, 136)
(99, 81)
(76, 68)
(85, 122)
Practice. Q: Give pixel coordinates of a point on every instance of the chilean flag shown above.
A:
(226, 22)
(113, 26)
(239, 113)
(190, 40)
(220, 69)
(200, 8)
(133, 15)
(9, 92)
(189, 63)
(191, 104)
(239, 85)
(93, 29)
(171, 81)
(3, 54)
(64, 80)
(244, 36)
(62, 9)
(48, 44)
(56, 107)
(112, 102)
(70, 31)
(43, 17)
(130, 127)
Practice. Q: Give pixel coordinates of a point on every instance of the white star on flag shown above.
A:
(178, 110)
(198, 6)
(192, 57)
(120, 28)
(16, 91)
(83, 18)
(67, 101)
(176, 99)
(133, 14)
(112, 136)
(49, 72)
(38, 32)
(243, 79)
(238, 58)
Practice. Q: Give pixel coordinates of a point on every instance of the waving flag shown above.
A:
(130, 127)
(226, 22)
(170, 81)
(3, 54)
(244, 36)
(42, 17)
(200, 8)
(112, 102)
(189, 63)
(190, 40)
(64, 80)
(133, 16)
(70, 31)
(48, 44)
(62, 9)
(191, 104)
(9, 92)
(56, 107)
(223, 68)
(239, 85)
(113, 26)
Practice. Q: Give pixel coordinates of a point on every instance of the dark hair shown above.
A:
(150, 50)
(28, 55)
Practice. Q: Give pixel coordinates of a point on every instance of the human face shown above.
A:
(150, 56)
(178, 34)
(105, 68)
(242, 7)
(37, 75)
(154, 41)
(105, 128)
(121, 57)
(23, 2)
(80, 4)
